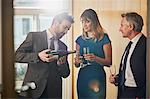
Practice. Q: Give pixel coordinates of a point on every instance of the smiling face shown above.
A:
(125, 28)
(62, 28)
(87, 25)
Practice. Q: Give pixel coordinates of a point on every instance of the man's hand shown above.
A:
(112, 79)
(46, 57)
(62, 60)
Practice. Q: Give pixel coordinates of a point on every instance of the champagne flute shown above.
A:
(86, 50)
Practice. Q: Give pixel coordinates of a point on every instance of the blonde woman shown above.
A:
(94, 52)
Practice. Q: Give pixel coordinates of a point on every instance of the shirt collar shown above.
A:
(136, 38)
(49, 34)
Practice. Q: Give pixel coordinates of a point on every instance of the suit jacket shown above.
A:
(42, 73)
(138, 66)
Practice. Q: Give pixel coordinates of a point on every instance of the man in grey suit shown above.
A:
(131, 80)
(45, 70)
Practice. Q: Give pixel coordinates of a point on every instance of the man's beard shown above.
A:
(58, 36)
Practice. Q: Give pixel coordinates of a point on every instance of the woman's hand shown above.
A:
(78, 60)
(46, 57)
(90, 57)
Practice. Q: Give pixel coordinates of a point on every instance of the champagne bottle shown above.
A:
(61, 53)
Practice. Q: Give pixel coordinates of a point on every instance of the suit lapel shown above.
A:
(141, 40)
(138, 47)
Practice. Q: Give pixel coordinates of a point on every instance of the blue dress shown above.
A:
(94, 73)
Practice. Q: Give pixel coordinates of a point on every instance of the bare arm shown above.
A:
(108, 55)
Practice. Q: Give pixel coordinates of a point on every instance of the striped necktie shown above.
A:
(52, 47)
(122, 79)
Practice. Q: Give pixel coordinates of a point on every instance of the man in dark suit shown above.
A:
(131, 80)
(45, 70)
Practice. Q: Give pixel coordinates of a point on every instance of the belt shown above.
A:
(123, 87)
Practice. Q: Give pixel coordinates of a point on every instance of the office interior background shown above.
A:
(18, 17)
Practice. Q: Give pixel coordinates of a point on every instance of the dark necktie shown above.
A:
(122, 80)
(52, 47)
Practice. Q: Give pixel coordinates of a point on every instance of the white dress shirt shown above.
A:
(130, 81)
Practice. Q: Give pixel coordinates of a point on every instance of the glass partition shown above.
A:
(34, 15)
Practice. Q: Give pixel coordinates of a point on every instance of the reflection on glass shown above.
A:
(51, 6)
(25, 3)
(22, 25)
(25, 25)
(20, 73)
(45, 22)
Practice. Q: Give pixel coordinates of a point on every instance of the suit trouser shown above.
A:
(125, 92)
(53, 89)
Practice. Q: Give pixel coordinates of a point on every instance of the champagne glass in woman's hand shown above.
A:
(86, 50)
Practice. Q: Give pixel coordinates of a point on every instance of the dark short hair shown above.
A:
(63, 16)
(135, 19)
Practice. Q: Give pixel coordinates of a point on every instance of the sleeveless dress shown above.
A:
(94, 73)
